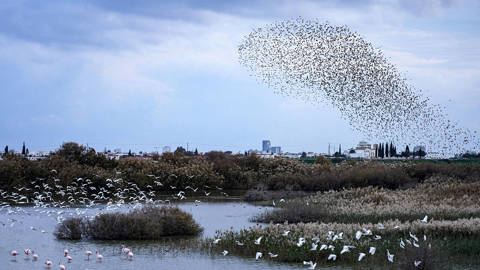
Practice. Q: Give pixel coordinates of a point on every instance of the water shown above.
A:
(166, 254)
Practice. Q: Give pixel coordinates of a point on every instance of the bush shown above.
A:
(148, 223)
(70, 229)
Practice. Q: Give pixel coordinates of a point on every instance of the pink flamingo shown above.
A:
(124, 249)
(99, 256)
(88, 253)
(69, 259)
(66, 252)
(61, 266)
(48, 263)
(130, 255)
(27, 251)
(14, 253)
(34, 255)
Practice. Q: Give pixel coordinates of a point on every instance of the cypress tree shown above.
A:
(23, 149)
(386, 150)
(407, 151)
(6, 149)
(340, 149)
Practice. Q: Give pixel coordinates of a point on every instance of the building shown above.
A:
(276, 150)
(266, 146)
(166, 149)
(363, 150)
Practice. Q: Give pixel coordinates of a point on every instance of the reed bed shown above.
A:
(439, 198)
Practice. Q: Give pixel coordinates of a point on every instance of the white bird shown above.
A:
(314, 246)
(301, 241)
(258, 255)
(361, 255)
(312, 265)
(424, 220)
(272, 255)
(358, 234)
(424, 237)
(380, 226)
(331, 247)
(332, 257)
(414, 237)
(225, 252)
(389, 256)
(377, 237)
(216, 241)
(322, 247)
(257, 242)
(346, 249)
(372, 250)
(239, 243)
(415, 244)
(417, 263)
(285, 233)
(402, 244)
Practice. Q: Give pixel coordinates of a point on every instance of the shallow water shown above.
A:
(17, 234)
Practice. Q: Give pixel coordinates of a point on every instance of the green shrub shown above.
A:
(148, 223)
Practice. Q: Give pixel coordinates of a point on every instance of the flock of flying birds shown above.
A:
(49, 197)
(322, 63)
(330, 239)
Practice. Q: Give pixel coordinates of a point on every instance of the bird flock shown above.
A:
(327, 245)
(66, 254)
(49, 197)
(322, 63)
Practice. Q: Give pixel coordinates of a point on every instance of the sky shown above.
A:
(140, 75)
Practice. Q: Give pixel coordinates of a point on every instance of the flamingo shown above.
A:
(13, 253)
(34, 255)
(61, 266)
(27, 251)
(88, 253)
(69, 259)
(130, 255)
(99, 256)
(65, 252)
(48, 263)
(124, 249)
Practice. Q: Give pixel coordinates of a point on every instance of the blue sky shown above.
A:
(144, 74)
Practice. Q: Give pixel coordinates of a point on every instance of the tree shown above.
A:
(23, 149)
(304, 155)
(71, 151)
(130, 153)
(420, 153)
(340, 149)
(387, 153)
(27, 152)
(196, 152)
(6, 149)
(407, 151)
(180, 150)
(352, 151)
